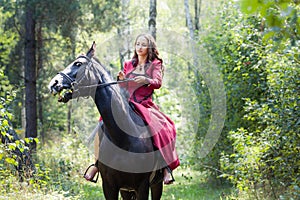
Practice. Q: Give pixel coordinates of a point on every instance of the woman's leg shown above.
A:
(93, 169)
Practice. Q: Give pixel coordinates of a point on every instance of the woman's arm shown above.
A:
(121, 74)
(155, 81)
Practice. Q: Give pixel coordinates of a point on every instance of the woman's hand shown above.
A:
(121, 75)
(141, 80)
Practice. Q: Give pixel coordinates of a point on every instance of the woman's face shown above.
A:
(141, 46)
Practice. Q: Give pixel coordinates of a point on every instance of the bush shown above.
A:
(261, 77)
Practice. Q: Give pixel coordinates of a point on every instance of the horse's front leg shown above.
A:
(156, 191)
(143, 190)
(110, 192)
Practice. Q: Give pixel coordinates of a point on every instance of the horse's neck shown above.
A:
(115, 112)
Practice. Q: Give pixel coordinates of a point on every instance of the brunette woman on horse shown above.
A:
(146, 70)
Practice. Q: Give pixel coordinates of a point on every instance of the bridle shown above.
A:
(75, 83)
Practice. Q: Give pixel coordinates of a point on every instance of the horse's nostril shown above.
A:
(56, 82)
(54, 87)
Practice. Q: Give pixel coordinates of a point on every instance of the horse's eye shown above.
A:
(78, 64)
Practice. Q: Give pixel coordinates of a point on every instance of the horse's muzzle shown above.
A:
(57, 84)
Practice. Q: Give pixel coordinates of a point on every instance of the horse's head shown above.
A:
(74, 80)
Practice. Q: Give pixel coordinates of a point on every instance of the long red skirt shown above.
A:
(163, 132)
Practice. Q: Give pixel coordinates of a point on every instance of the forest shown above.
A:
(231, 85)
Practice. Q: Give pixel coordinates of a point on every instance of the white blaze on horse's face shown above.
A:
(55, 84)
(58, 83)
(62, 84)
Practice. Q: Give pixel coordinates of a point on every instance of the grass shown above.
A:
(191, 185)
(59, 176)
(191, 188)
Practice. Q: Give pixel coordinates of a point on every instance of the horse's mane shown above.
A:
(120, 95)
(103, 67)
(106, 77)
(106, 74)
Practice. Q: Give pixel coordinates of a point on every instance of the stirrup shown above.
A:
(92, 179)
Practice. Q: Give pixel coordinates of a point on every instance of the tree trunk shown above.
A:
(72, 37)
(40, 85)
(152, 18)
(192, 37)
(189, 19)
(69, 117)
(30, 74)
(23, 109)
(197, 15)
(124, 33)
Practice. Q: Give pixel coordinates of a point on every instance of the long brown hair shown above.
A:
(152, 49)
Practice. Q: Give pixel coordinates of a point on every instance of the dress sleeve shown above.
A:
(125, 70)
(155, 80)
(125, 67)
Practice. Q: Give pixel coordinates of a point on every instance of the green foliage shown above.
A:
(281, 17)
(58, 24)
(5, 116)
(11, 147)
(7, 39)
(176, 99)
(255, 45)
(59, 172)
(62, 162)
(60, 176)
(59, 15)
(105, 14)
(260, 142)
(233, 46)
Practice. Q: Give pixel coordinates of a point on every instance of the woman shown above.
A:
(146, 69)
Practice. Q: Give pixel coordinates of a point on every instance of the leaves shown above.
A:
(255, 47)
(11, 161)
(262, 84)
(249, 7)
(281, 18)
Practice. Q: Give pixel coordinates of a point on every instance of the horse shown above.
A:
(126, 145)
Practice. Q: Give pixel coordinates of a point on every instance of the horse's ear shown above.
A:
(92, 50)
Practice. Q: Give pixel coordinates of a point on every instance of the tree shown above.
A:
(259, 141)
(30, 72)
(46, 23)
(124, 32)
(280, 17)
(152, 18)
(197, 8)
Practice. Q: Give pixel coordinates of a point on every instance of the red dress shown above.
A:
(161, 126)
